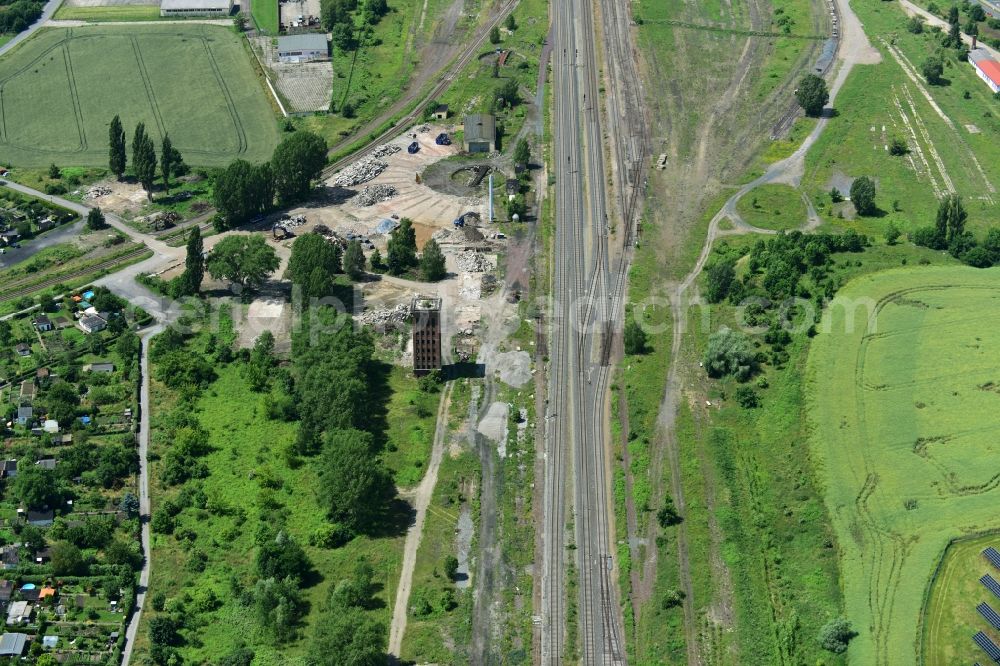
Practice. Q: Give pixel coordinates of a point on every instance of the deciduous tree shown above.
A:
(812, 94)
(932, 69)
(297, 161)
(353, 479)
(246, 260)
(863, 195)
(729, 353)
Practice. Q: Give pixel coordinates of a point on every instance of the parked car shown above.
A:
(442, 139)
(413, 147)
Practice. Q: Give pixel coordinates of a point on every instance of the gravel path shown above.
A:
(421, 499)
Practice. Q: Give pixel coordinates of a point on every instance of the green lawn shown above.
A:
(265, 16)
(773, 207)
(195, 82)
(951, 618)
(112, 13)
(902, 424)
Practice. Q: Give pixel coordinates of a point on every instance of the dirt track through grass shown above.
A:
(904, 412)
(193, 81)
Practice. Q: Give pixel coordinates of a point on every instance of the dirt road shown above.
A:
(421, 499)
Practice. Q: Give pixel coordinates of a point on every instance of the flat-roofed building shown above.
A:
(196, 7)
(303, 48)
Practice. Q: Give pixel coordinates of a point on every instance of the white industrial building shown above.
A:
(196, 7)
(986, 67)
(303, 48)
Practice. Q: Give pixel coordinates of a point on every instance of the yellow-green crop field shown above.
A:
(905, 405)
(60, 89)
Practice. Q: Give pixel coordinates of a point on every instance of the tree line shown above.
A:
(144, 160)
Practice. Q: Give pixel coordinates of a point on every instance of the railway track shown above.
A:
(12, 291)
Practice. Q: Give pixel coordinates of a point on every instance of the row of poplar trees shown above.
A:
(144, 162)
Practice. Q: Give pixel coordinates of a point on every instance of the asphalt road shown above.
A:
(30, 248)
(47, 11)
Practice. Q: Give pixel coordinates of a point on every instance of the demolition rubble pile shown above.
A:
(360, 172)
(97, 191)
(385, 317)
(473, 262)
(386, 149)
(373, 194)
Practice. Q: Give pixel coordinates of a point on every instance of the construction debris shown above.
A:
(385, 318)
(373, 194)
(160, 220)
(97, 191)
(474, 262)
(360, 172)
(386, 149)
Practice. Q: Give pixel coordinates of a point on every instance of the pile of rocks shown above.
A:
(386, 149)
(372, 194)
(360, 172)
(385, 318)
(473, 262)
(97, 191)
(293, 221)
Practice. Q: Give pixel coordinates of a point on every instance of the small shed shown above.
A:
(24, 415)
(23, 349)
(41, 518)
(103, 367)
(440, 112)
(48, 463)
(42, 323)
(50, 426)
(480, 133)
(8, 469)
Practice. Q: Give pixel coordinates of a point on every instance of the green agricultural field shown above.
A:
(951, 618)
(903, 402)
(773, 207)
(60, 89)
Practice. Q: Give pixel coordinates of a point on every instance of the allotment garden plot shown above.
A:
(59, 91)
(905, 406)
